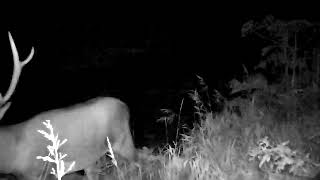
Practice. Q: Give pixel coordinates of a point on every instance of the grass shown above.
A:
(261, 136)
(267, 137)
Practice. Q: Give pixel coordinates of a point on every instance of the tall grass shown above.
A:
(260, 136)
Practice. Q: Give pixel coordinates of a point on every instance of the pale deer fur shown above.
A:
(85, 126)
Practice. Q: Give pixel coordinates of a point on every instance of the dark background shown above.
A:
(145, 60)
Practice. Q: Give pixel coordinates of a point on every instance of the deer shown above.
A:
(85, 126)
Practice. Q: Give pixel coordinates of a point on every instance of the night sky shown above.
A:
(139, 59)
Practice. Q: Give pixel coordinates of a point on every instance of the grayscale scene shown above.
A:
(197, 93)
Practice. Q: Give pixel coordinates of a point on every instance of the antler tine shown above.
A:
(16, 56)
(17, 67)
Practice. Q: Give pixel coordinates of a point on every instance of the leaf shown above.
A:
(46, 158)
(62, 156)
(247, 28)
(71, 166)
(51, 149)
(53, 171)
(45, 134)
(265, 158)
(64, 141)
(268, 49)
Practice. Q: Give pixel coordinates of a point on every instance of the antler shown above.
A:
(17, 68)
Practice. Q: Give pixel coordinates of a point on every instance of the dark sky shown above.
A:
(124, 52)
(138, 58)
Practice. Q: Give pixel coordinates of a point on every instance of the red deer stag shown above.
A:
(85, 126)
